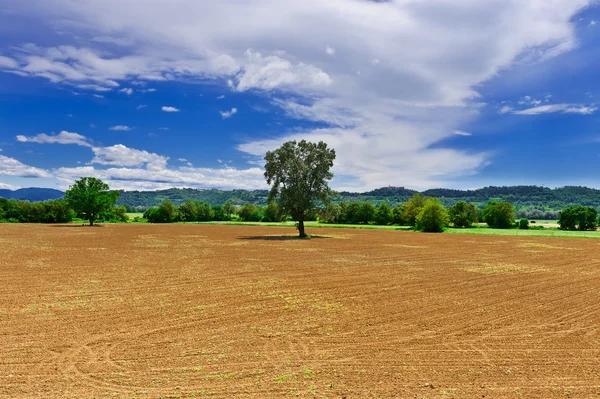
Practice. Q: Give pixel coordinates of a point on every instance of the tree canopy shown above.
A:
(578, 218)
(500, 215)
(433, 217)
(298, 173)
(89, 196)
(463, 214)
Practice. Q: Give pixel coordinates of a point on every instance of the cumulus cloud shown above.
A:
(274, 72)
(63, 137)
(12, 167)
(120, 155)
(141, 106)
(169, 109)
(330, 50)
(228, 114)
(127, 90)
(120, 128)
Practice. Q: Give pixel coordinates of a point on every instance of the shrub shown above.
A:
(524, 224)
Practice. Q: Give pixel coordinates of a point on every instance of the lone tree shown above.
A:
(463, 214)
(299, 173)
(499, 215)
(89, 196)
(432, 218)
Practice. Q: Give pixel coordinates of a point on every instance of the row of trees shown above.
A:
(55, 211)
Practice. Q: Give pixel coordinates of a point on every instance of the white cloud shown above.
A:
(6, 186)
(98, 95)
(144, 179)
(120, 128)
(163, 128)
(228, 114)
(93, 125)
(63, 137)
(554, 108)
(505, 109)
(9, 63)
(12, 167)
(169, 109)
(461, 133)
(273, 72)
(593, 22)
(127, 90)
(220, 97)
(422, 89)
(182, 160)
(141, 106)
(330, 50)
(219, 161)
(120, 155)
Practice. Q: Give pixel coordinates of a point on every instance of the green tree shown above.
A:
(412, 208)
(298, 173)
(366, 213)
(463, 214)
(433, 217)
(188, 211)
(499, 215)
(397, 214)
(331, 213)
(578, 217)
(352, 213)
(229, 209)
(219, 213)
(89, 196)
(247, 211)
(383, 215)
(272, 213)
(205, 212)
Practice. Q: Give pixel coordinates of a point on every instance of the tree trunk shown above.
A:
(91, 220)
(301, 228)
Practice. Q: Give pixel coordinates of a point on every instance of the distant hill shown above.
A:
(522, 197)
(519, 196)
(32, 194)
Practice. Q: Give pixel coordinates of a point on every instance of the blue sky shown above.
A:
(155, 94)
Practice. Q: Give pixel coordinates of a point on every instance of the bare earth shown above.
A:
(179, 311)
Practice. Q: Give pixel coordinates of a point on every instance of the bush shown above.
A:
(433, 217)
(524, 224)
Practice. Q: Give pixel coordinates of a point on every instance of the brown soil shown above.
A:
(179, 311)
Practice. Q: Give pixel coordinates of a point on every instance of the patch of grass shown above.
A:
(526, 233)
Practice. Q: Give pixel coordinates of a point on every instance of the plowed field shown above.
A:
(179, 311)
